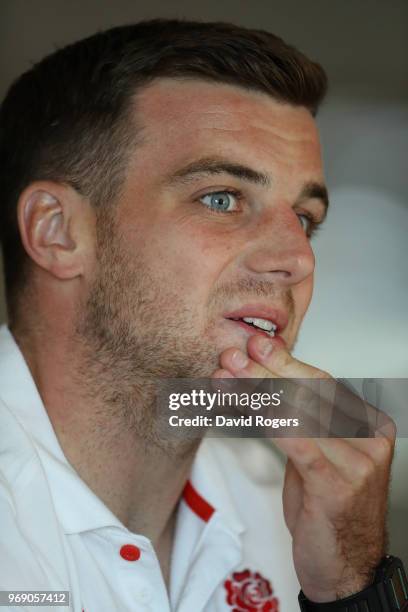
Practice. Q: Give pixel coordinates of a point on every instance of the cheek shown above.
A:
(201, 261)
(211, 257)
(187, 260)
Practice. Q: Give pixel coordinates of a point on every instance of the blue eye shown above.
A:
(220, 201)
(309, 225)
(305, 222)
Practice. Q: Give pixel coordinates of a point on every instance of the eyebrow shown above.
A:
(216, 165)
(313, 190)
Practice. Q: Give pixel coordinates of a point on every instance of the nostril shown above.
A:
(283, 273)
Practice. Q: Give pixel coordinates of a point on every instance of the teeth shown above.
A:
(261, 323)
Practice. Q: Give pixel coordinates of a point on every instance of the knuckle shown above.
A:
(303, 396)
(283, 359)
(317, 373)
(382, 450)
(386, 426)
(364, 468)
(391, 429)
(319, 464)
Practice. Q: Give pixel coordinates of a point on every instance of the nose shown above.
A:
(280, 250)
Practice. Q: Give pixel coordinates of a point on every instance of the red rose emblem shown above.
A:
(250, 592)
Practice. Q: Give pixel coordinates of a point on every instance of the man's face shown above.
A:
(211, 225)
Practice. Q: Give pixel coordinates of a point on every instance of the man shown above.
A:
(160, 183)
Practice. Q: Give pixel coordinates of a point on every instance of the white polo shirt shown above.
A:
(232, 550)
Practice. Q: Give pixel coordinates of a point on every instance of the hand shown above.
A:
(335, 490)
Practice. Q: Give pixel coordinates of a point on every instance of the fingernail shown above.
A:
(222, 374)
(264, 346)
(239, 359)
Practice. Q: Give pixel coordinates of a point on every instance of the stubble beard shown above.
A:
(134, 332)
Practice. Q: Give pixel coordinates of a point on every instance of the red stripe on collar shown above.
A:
(197, 503)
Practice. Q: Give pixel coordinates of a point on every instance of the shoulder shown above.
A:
(19, 562)
(27, 517)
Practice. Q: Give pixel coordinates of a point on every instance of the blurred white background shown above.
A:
(356, 326)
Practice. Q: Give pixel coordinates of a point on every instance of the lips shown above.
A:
(261, 311)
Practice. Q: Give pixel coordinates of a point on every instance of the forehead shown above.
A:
(183, 118)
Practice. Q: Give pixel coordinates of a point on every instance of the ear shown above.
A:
(54, 222)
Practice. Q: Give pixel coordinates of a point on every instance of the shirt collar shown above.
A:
(208, 490)
(20, 394)
(205, 492)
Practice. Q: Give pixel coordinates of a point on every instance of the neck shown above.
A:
(105, 425)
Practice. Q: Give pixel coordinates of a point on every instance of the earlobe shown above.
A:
(45, 221)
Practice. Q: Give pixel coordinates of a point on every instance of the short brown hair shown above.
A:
(67, 118)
